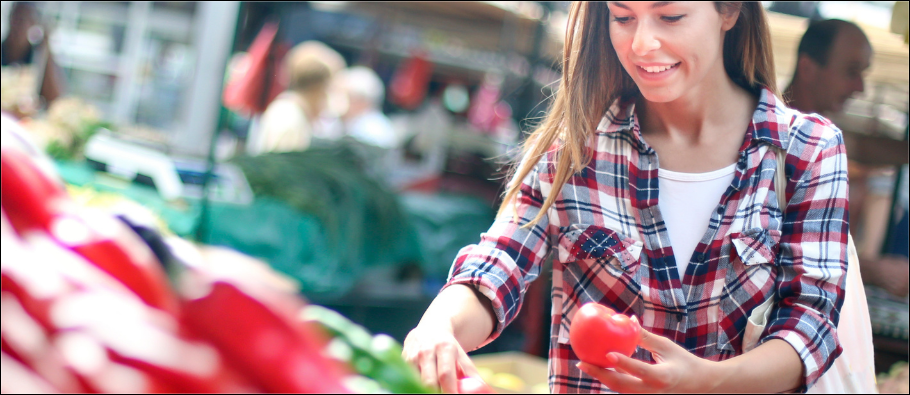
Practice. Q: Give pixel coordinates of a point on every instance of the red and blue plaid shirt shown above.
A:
(611, 245)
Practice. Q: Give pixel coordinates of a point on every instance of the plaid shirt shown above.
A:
(611, 246)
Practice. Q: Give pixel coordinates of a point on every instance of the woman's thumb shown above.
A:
(654, 343)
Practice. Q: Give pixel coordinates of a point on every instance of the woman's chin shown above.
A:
(659, 95)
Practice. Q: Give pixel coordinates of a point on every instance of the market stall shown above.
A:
(319, 220)
(446, 178)
(90, 297)
(283, 272)
(321, 217)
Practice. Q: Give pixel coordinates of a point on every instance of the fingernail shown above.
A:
(612, 358)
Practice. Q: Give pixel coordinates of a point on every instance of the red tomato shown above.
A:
(473, 385)
(597, 330)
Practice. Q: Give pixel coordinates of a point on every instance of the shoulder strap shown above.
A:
(780, 179)
(780, 176)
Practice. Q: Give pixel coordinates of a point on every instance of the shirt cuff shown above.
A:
(816, 360)
(485, 289)
(489, 271)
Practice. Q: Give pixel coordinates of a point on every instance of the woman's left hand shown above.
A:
(676, 369)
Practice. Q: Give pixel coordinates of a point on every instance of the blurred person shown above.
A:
(330, 125)
(290, 121)
(884, 251)
(364, 119)
(666, 125)
(26, 44)
(831, 59)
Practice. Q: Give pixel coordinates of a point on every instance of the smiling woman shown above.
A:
(595, 76)
(666, 124)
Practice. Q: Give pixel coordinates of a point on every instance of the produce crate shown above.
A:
(513, 372)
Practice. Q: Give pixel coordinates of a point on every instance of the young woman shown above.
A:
(650, 182)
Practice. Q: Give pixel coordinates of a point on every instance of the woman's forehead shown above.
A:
(653, 4)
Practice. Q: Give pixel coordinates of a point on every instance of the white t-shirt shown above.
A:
(686, 201)
(373, 127)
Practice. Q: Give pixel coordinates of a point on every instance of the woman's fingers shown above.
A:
(656, 344)
(438, 358)
(616, 381)
(644, 371)
(466, 365)
(427, 365)
(446, 369)
(632, 375)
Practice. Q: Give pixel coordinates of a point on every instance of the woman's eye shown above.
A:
(672, 18)
(622, 20)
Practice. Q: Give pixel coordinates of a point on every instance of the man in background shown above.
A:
(831, 59)
(364, 119)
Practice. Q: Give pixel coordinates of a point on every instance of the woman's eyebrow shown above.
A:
(655, 5)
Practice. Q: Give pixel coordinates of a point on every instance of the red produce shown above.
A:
(473, 385)
(277, 353)
(597, 330)
(28, 195)
(34, 202)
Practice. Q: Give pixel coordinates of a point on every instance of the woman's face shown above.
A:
(669, 48)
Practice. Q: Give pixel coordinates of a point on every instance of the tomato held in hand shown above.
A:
(597, 330)
(473, 385)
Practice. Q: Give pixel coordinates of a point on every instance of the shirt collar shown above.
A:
(770, 121)
(621, 118)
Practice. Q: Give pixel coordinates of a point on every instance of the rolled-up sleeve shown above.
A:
(813, 252)
(508, 257)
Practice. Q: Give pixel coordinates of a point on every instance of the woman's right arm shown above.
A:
(484, 291)
(458, 319)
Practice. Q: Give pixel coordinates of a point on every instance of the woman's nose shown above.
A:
(644, 40)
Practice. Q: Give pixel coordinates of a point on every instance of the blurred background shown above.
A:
(172, 104)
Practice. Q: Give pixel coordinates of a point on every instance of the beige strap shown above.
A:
(780, 179)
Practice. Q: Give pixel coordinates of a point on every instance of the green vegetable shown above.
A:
(376, 357)
(75, 146)
(363, 385)
(330, 181)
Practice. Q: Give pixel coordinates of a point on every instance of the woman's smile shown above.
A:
(656, 72)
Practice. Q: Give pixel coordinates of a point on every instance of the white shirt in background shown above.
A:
(686, 201)
(373, 127)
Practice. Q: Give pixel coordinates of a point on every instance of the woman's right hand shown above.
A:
(441, 361)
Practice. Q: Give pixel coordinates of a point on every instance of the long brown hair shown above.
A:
(593, 78)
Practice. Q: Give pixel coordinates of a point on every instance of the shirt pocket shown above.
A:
(603, 245)
(595, 262)
(748, 288)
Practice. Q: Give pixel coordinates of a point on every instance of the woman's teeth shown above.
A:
(657, 69)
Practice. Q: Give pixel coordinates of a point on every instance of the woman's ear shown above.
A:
(729, 19)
